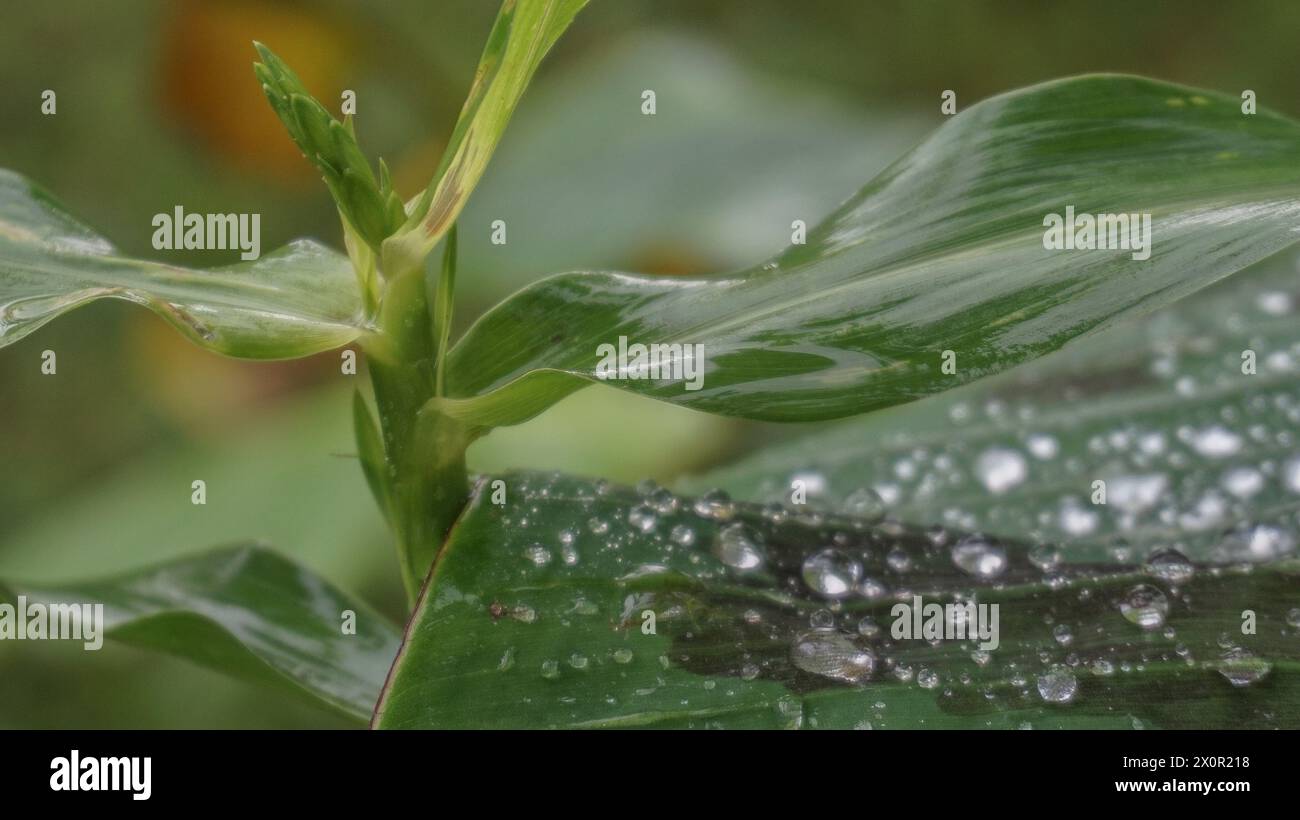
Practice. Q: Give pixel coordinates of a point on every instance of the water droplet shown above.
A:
(1170, 566)
(1257, 542)
(1042, 446)
(507, 660)
(1058, 685)
(1274, 302)
(1242, 668)
(578, 660)
(1000, 469)
(831, 573)
(1291, 474)
(1045, 556)
(550, 669)
(832, 655)
(868, 628)
(622, 656)
(643, 518)
(1145, 606)
(822, 619)
(976, 555)
(1216, 442)
(682, 535)
(898, 560)
(538, 554)
(1063, 634)
(865, 503)
(1243, 482)
(663, 501)
(715, 504)
(739, 547)
(927, 679)
(1293, 618)
(598, 526)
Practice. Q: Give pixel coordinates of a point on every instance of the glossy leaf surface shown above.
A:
(537, 614)
(1189, 420)
(943, 251)
(295, 301)
(522, 35)
(244, 611)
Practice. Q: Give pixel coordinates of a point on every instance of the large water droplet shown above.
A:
(1000, 469)
(865, 503)
(831, 573)
(1058, 685)
(832, 655)
(1242, 667)
(715, 504)
(538, 554)
(643, 518)
(1216, 442)
(739, 547)
(1170, 566)
(976, 555)
(1145, 606)
(682, 535)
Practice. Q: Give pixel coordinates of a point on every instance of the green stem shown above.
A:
(424, 452)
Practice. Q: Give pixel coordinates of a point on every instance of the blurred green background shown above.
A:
(768, 111)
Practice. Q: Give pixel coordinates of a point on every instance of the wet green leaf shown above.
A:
(522, 35)
(1189, 418)
(942, 251)
(536, 615)
(296, 301)
(244, 611)
(369, 205)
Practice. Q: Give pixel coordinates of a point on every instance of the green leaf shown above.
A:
(299, 300)
(533, 617)
(368, 205)
(1195, 453)
(522, 35)
(942, 251)
(243, 611)
(370, 448)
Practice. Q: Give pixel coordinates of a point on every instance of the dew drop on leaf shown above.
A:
(1145, 606)
(976, 555)
(1170, 566)
(864, 503)
(832, 655)
(1058, 685)
(831, 573)
(715, 504)
(739, 547)
(1241, 667)
(1000, 469)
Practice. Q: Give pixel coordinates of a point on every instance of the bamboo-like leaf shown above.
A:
(1177, 431)
(243, 611)
(584, 605)
(944, 251)
(299, 300)
(522, 35)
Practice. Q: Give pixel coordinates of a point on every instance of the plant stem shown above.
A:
(424, 452)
